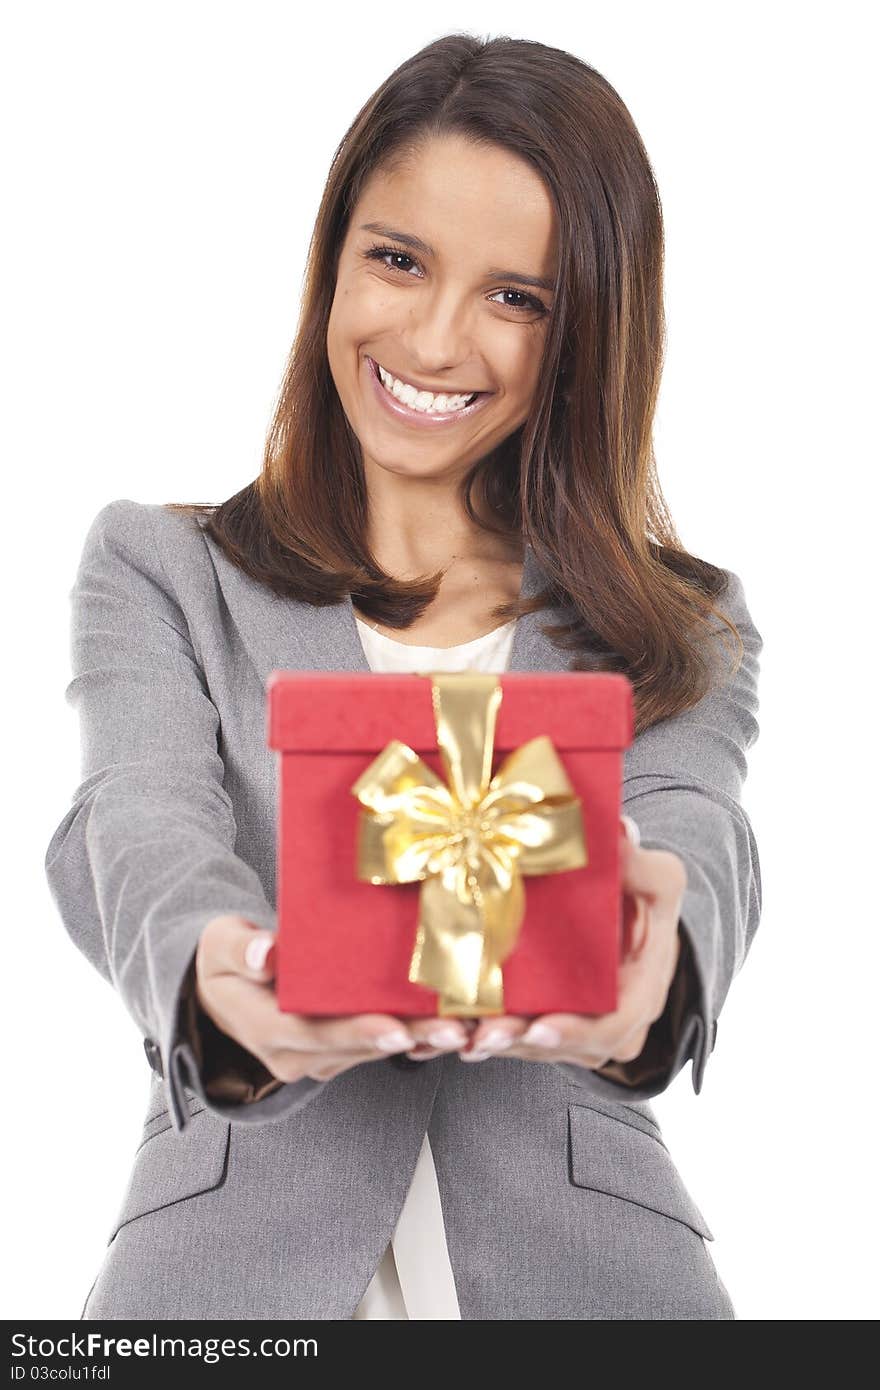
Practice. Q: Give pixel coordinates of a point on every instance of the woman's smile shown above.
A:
(418, 408)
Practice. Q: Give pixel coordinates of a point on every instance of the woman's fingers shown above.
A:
(293, 1045)
(435, 1034)
(235, 969)
(494, 1034)
(231, 945)
(356, 1033)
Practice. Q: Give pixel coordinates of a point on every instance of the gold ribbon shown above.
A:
(469, 839)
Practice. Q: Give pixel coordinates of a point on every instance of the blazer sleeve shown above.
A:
(145, 855)
(682, 785)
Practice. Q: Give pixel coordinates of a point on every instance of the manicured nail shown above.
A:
(474, 1056)
(256, 952)
(447, 1037)
(394, 1042)
(632, 830)
(542, 1035)
(496, 1040)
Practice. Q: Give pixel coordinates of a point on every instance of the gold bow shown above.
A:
(469, 841)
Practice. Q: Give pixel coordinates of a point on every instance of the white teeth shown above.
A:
(425, 401)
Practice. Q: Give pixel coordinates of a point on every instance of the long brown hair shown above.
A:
(577, 480)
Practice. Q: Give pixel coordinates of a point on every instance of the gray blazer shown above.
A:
(560, 1198)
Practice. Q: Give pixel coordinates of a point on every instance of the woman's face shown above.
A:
(460, 312)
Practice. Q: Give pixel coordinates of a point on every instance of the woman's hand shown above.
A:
(235, 967)
(653, 884)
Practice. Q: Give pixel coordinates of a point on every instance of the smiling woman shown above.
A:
(462, 447)
(447, 325)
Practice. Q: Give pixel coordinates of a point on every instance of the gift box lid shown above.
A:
(359, 711)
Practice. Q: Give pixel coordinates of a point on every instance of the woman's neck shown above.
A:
(462, 609)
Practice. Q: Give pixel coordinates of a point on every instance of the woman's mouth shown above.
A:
(420, 408)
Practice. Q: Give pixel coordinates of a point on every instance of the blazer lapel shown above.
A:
(283, 634)
(531, 650)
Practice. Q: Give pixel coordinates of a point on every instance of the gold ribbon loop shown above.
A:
(469, 840)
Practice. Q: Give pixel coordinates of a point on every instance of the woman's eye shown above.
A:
(380, 253)
(528, 301)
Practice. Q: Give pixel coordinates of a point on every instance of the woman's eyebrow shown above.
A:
(540, 282)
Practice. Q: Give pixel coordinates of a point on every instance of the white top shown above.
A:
(414, 1279)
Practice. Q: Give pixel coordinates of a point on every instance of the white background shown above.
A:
(162, 166)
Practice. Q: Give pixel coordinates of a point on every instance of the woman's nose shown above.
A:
(437, 338)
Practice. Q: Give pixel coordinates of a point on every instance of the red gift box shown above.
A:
(344, 945)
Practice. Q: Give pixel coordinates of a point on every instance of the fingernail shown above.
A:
(542, 1035)
(473, 1056)
(631, 830)
(446, 1037)
(256, 952)
(496, 1040)
(394, 1042)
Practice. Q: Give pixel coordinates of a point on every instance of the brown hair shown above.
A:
(577, 480)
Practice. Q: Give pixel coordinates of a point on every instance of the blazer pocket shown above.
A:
(611, 1156)
(170, 1166)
